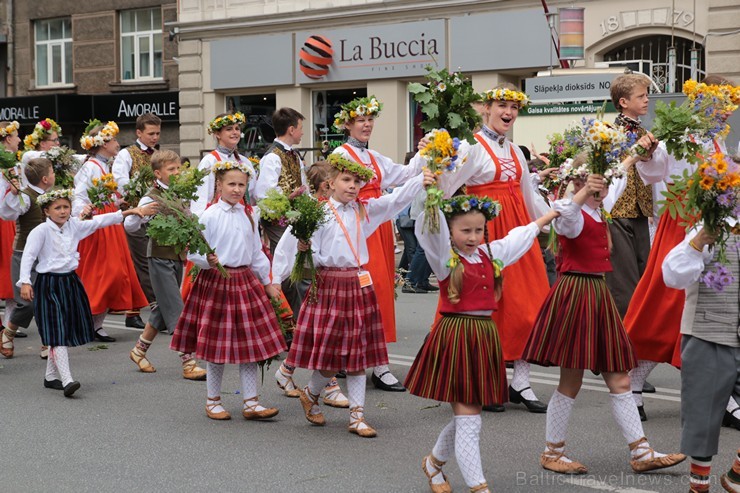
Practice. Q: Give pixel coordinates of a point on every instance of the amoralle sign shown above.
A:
(371, 52)
(127, 107)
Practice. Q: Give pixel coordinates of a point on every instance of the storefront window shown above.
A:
(141, 44)
(325, 105)
(53, 52)
(258, 110)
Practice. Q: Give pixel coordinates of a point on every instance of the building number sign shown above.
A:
(651, 17)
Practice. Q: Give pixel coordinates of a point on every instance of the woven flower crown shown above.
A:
(503, 94)
(52, 195)
(42, 129)
(343, 164)
(224, 121)
(231, 165)
(461, 204)
(12, 127)
(367, 106)
(107, 133)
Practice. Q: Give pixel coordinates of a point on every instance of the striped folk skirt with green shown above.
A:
(461, 361)
(579, 327)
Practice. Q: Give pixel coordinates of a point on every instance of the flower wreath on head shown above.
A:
(224, 121)
(107, 133)
(343, 164)
(12, 127)
(460, 204)
(367, 106)
(231, 165)
(568, 172)
(42, 129)
(52, 195)
(503, 94)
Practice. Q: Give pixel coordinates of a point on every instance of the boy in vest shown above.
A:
(22, 208)
(128, 161)
(710, 352)
(166, 272)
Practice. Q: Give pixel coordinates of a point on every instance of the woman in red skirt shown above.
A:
(9, 141)
(579, 328)
(229, 320)
(342, 330)
(461, 362)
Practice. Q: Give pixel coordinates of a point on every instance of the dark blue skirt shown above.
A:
(62, 310)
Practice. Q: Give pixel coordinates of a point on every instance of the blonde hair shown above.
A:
(317, 174)
(333, 173)
(162, 157)
(624, 85)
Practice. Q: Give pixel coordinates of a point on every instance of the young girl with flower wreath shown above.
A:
(342, 330)
(579, 328)
(461, 362)
(9, 141)
(357, 120)
(106, 269)
(230, 320)
(496, 168)
(61, 306)
(44, 136)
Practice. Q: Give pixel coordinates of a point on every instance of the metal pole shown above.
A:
(672, 55)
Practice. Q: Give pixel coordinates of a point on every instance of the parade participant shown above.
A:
(496, 168)
(318, 179)
(461, 361)
(61, 306)
(229, 320)
(9, 141)
(579, 328)
(710, 352)
(166, 273)
(127, 163)
(44, 136)
(342, 330)
(106, 269)
(22, 207)
(357, 120)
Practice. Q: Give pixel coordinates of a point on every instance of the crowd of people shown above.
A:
(617, 306)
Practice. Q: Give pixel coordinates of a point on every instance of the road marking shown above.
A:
(600, 485)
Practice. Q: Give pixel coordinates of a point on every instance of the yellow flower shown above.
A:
(706, 182)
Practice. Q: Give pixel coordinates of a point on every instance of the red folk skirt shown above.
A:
(7, 236)
(343, 329)
(107, 272)
(460, 361)
(579, 327)
(653, 319)
(228, 321)
(525, 282)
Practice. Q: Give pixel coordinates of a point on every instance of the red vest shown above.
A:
(589, 251)
(477, 289)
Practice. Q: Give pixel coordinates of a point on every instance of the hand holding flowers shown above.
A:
(441, 156)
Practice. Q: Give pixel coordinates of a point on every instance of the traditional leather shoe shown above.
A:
(6, 345)
(356, 418)
(481, 488)
(729, 485)
(218, 416)
(55, 384)
(648, 388)
(436, 487)
(641, 412)
(532, 406)
(135, 322)
(380, 385)
(640, 464)
(20, 334)
(286, 384)
(250, 411)
(552, 460)
(141, 361)
(307, 403)
(494, 408)
(71, 388)
(730, 420)
(191, 371)
(334, 397)
(100, 337)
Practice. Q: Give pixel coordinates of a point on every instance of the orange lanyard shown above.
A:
(346, 233)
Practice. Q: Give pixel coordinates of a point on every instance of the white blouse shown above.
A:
(329, 244)
(270, 168)
(394, 174)
(56, 247)
(11, 208)
(236, 241)
(205, 191)
(570, 221)
(683, 265)
(93, 168)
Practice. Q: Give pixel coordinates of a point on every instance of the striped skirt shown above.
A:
(579, 327)
(461, 361)
(228, 320)
(62, 310)
(342, 330)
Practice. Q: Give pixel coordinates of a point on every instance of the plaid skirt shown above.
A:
(342, 330)
(579, 327)
(461, 361)
(62, 310)
(228, 320)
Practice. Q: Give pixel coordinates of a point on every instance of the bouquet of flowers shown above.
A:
(606, 145)
(562, 147)
(139, 185)
(7, 167)
(277, 208)
(103, 191)
(712, 192)
(447, 102)
(311, 214)
(65, 165)
(255, 163)
(441, 155)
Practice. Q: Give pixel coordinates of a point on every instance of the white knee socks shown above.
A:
(442, 450)
(558, 416)
(520, 380)
(248, 375)
(356, 390)
(317, 382)
(214, 376)
(61, 361)
(626, 415)
(638, 376)
(467, 449)
(51, 369)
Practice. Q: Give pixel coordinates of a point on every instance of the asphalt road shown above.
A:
(128, 431)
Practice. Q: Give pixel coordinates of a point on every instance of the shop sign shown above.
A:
(27, 109)
(565, 109)
(125, 108)
(567, 88)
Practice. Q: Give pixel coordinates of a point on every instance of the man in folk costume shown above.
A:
(127, 163)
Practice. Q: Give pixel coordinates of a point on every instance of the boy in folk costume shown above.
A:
(342, 330)
(166, 273)
(125, 166)
(710, 352)
(22, 206)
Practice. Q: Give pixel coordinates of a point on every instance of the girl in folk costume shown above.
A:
(579, 328)
(106, 269)
(45, 135)
(61, 306)
(653, 319)
(497, 169)
(342, 330)
(357, 120)
(461, 361)
(9, 140)
(230, 320)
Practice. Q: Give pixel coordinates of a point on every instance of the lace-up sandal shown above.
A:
(141, 361)
(309, 400)
(436, 487)
(220, 415)
(641, 464)
(250, 410)
(356, 419)
(552, 460)
(481, 488)
(6, 344)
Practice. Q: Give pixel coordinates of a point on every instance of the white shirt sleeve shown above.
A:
(133, 222)
(536, 204)
(655, 169)
(260, 263)
(121, 168)
(270, 168)
(205, 190)
(570, 221)
(436, 245)
(284, 257)
(34, 244)
(11, 208)
(388, 206)
(515, 244)
(86, 227)
(83, 180)
(683, 265)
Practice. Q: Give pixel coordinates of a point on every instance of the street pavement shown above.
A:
(129, 431)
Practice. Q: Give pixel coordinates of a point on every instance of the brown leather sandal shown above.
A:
(639, 464)
(552, 460)
(307, 403)
(355, 419)
(251, 412)
(436, 487)
(481, 488)
(219, 416)
(6, 344)
(141, 361)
